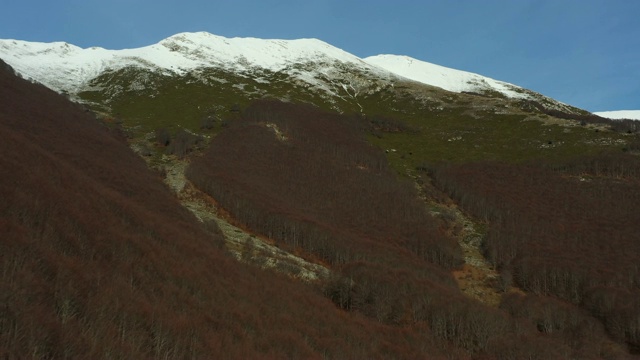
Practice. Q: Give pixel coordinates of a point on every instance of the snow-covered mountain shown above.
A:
(443, 77)
(65, 67)
(620, 114)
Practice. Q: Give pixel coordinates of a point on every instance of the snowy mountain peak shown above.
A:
(269, 54)
(65, 67)
(443, 77)
(62, 66)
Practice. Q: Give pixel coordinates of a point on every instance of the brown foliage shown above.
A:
(570, 232)
(98, 259)
(308, 180)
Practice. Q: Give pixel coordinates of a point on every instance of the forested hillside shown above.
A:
(99, 260)
(375, 179)
(569, 231)
(308, 180)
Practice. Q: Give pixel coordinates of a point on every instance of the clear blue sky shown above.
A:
(584, 52)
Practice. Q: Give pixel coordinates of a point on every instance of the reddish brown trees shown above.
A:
(570, 232)
(308, 180)
(99, 260)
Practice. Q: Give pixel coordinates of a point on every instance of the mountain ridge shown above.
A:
(68, 68)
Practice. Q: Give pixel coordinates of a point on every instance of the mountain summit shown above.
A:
(178, 54)
(65, 67)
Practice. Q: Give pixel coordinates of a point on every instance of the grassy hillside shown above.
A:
(437, 125)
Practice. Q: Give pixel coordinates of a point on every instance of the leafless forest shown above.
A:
(99, 259)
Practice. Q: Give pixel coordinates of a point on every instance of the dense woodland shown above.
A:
(570, 231)
(308, 180)
(99, 259)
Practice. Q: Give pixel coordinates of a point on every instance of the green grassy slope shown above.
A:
(442, 126)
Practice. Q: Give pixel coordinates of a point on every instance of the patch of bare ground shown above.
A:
(476, 278)
(242, 244)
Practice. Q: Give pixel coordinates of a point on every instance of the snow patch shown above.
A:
(620, 114)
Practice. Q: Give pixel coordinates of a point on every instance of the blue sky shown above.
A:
(585, 53)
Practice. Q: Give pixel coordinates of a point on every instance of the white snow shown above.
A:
(66, 67)
(620, 114)
(443, 77)
(203, 48)
(58, 65)
(62, 66)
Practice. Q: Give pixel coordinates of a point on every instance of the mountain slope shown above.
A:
(100, 261)
(190, 79)
(460, 81)
(100, 229)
